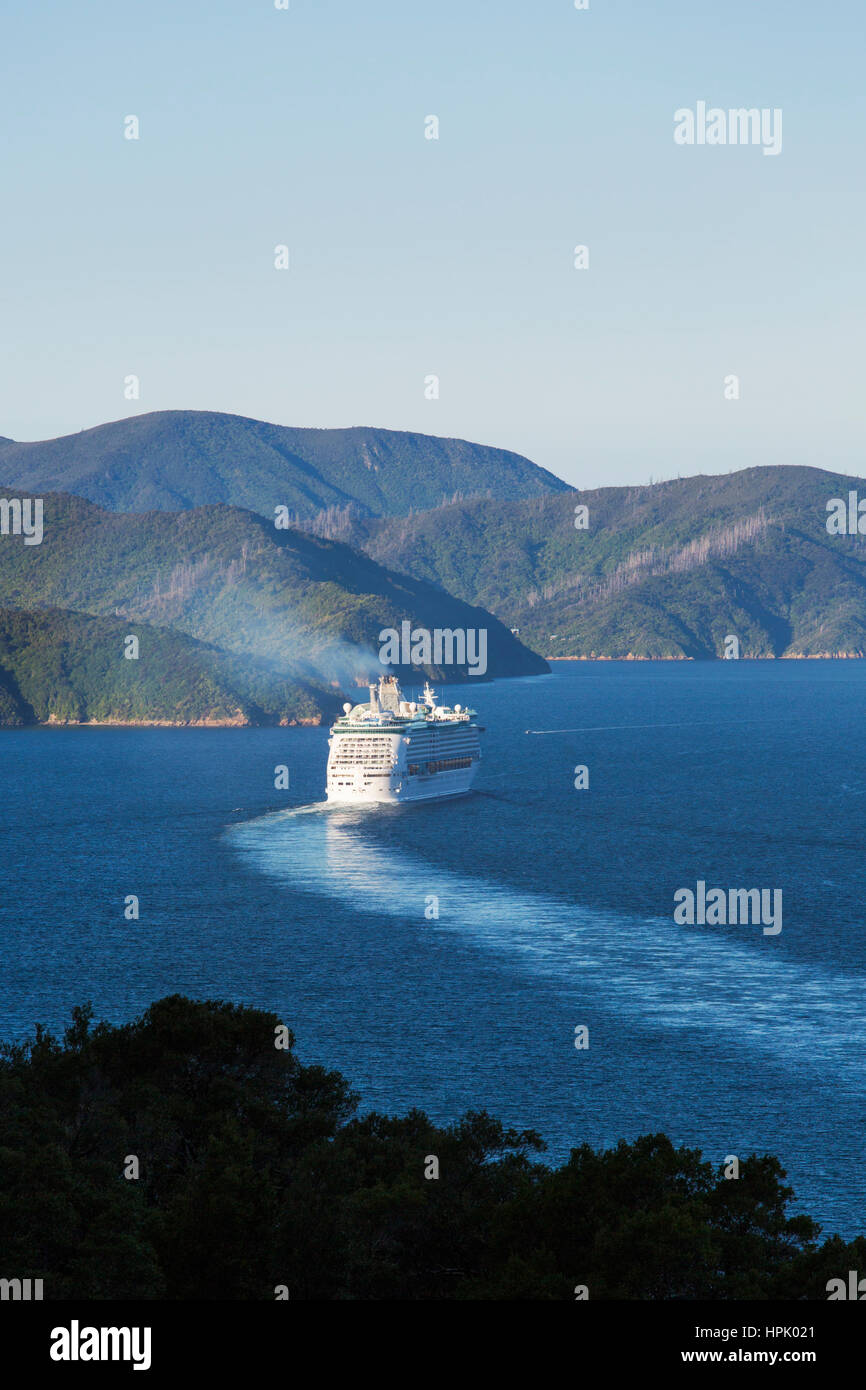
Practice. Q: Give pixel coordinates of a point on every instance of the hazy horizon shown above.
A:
(453, 257)
(488, 443)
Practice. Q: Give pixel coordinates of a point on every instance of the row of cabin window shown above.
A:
(440, 765)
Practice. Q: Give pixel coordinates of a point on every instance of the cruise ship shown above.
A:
(391, 749)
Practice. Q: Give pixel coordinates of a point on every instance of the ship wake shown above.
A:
(649, 970)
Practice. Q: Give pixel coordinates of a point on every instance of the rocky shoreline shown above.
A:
(54, 723)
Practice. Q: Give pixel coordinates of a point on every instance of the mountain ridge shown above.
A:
(664, 570)
(310, 607)
(177, 460)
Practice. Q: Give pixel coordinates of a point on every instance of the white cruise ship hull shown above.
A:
(391, 750)
(366, 790)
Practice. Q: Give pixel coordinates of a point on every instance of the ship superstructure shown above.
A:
(391, 749)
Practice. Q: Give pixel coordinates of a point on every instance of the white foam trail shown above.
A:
(648, 969)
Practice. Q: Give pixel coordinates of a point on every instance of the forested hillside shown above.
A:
(660, 571)
(175, 459)
(62, 667)
(311, 608)
(257, 1178)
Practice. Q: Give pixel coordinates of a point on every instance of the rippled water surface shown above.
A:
(555, 906)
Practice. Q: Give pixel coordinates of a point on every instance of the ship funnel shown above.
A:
(374, 703)
(389, 693)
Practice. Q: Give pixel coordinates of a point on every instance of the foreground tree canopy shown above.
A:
(255, 1172)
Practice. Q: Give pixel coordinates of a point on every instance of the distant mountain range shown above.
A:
(295, 607)
(668, 570)
(176, 459)
(249, 622)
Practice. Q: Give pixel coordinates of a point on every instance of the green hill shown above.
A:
(661, 571)
(309, 607)
(175, 459)
(260, 1175)
(62, 667)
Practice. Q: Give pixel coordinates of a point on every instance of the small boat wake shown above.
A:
(655, 973)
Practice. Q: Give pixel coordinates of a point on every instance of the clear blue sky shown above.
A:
(453, 257)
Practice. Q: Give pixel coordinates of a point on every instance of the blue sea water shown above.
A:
(555, 907)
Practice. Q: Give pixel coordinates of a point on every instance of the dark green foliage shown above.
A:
(58, 666)
(255, 1172)
(310, 608)
(174, 459)
(662, 571)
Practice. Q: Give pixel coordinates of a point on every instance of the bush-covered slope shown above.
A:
(226, 576)
(668, 570)
(175, 459)
(62, 667)
(255, 1175)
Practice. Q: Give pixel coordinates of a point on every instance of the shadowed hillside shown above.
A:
(61, 667)
(311, 608)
